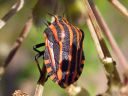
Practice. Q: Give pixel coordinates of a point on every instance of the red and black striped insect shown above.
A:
(63, 54)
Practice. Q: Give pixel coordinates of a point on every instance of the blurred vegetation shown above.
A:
(23, 74)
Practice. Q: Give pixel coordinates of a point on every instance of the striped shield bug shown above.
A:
(63, 54)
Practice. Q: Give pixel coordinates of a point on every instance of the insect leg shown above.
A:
(47, 23)
(40, 70)
(35, 48)
(43, 77)
(36, 59)
(40, 53)
(47, 78)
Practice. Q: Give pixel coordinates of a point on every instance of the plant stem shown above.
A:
(15, 8)
(103, 51)
(17, 44)
(119, 7)
(40, 83)
(120, 57)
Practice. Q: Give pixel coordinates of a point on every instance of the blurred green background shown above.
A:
(23, 74)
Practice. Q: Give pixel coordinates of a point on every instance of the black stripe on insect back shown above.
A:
(56, 47)
(58, 30)
(48, 65)
(46, 54)
(47, 57)
(56, 50)
(74, 48)
(80, 53)
(50, 35)
(83, 56)
(66, 40)
(82, 35)
(65, 50)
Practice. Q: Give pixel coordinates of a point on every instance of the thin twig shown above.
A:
(101, 46)
(119, 7)
(15, 8)
(39, 90)
(40, 84)
(18, 43)
(121, 58)
(109, 64)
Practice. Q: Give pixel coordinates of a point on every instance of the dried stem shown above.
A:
(40, 83)
(15, 8)
(101, 46)
(121, 58)
(39, 90)
(18, 43)
(95, 39)
(103, 52)
(119, 7)
(109, 67)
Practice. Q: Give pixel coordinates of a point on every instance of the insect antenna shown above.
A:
(47, 23)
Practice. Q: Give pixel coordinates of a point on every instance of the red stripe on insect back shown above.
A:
(54, 31)
(59, 72)
(50, 50)
(47, 61)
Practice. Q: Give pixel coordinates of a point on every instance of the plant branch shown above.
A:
(97, 36)
(109, 66)
(40, 83)
(121, 58)
(17, 43)
(103, 51)
(119, 7)
(15, 8)
(39, 90)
